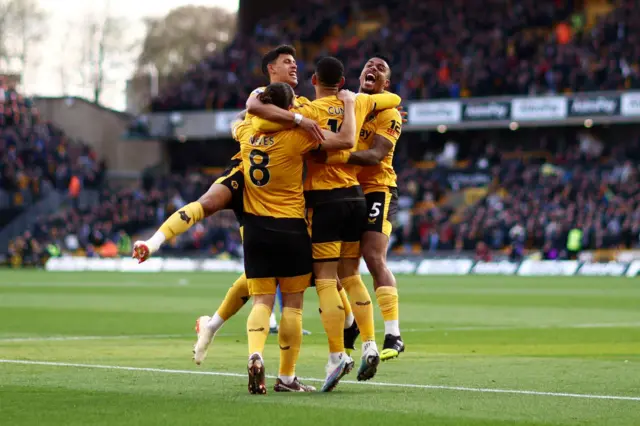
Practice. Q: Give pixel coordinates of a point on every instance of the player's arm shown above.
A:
(380, 147)
(346, 136)
(382, 101)
(270, 118)
(388, 129)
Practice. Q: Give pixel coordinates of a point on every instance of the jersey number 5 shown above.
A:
(258, 172)
(375, 210)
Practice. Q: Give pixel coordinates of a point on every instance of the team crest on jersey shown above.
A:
(372, 221)
(184, 216)
(234, 184)
(371, 117)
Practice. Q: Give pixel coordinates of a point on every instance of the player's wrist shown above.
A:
(297, 118)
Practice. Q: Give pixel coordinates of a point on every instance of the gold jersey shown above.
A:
(388, 124)
(273, 170)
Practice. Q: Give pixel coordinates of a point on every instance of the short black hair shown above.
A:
(386, 59)
(278, 94)
(329, 71)
(271, 56)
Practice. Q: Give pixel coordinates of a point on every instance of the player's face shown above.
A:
(285, 70)
(373, 78)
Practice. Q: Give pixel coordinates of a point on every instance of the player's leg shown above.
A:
(290, 333)
(351, 280)
(207, 327)
(325, 223)
(231, 181)
(375, 241)
(263, 290)
(217, 198)
(349, 319)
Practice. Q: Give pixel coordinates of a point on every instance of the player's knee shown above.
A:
(264, 299)
(215, 199)
(293, 300)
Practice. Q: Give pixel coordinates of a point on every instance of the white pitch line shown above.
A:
(396, 385)
(71, 338)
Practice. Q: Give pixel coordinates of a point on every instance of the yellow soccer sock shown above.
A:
(235, 299)
(388, 302)
(348, 312)
(258, 327)
(289, 339)
(331, 313)
(180, 222)
(362, 307)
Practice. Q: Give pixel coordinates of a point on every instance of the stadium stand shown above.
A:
(36, 157)
(438, 50)
(106, 228)
(510, 193)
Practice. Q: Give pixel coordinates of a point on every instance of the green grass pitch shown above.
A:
(488, 351)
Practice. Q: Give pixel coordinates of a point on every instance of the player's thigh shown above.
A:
(326, 223)
(382, 207)
(226, 192)
(352, 228)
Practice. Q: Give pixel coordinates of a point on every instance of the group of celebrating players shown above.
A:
(313, 189)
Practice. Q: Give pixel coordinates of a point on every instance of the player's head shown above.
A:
(375, 76)
(280, 66)
(278, 94)
(329, 73)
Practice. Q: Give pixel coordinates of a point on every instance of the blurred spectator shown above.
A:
(438, 49)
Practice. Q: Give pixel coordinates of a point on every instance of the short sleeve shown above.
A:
(389, 125)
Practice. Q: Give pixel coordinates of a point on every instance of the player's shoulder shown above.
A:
(301, 101)
(389, 114)
(257, 91)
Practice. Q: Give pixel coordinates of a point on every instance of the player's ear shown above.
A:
(314, 79)
(342, 81)
(387, 83)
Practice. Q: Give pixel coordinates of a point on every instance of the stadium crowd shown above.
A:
(532, 201)
(106, 228)
(437, 49)
(36, 156)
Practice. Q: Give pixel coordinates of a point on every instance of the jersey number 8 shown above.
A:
(258, 172)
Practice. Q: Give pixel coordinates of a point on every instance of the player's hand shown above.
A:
(404, 114)
(312, 128)
(346, 96)
(141, 251)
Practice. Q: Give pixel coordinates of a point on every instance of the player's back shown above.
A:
(340, 179)
(273, 169)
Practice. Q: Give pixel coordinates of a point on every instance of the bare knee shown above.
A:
(348, 267)
(265, 299)
(215, 199)
(293, 300)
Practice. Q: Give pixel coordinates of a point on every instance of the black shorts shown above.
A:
(382, 207)
(233, 178)
(336, 229)
(276, 248)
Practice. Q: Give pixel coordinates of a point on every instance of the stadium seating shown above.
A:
(438, 50)
(36, 157)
